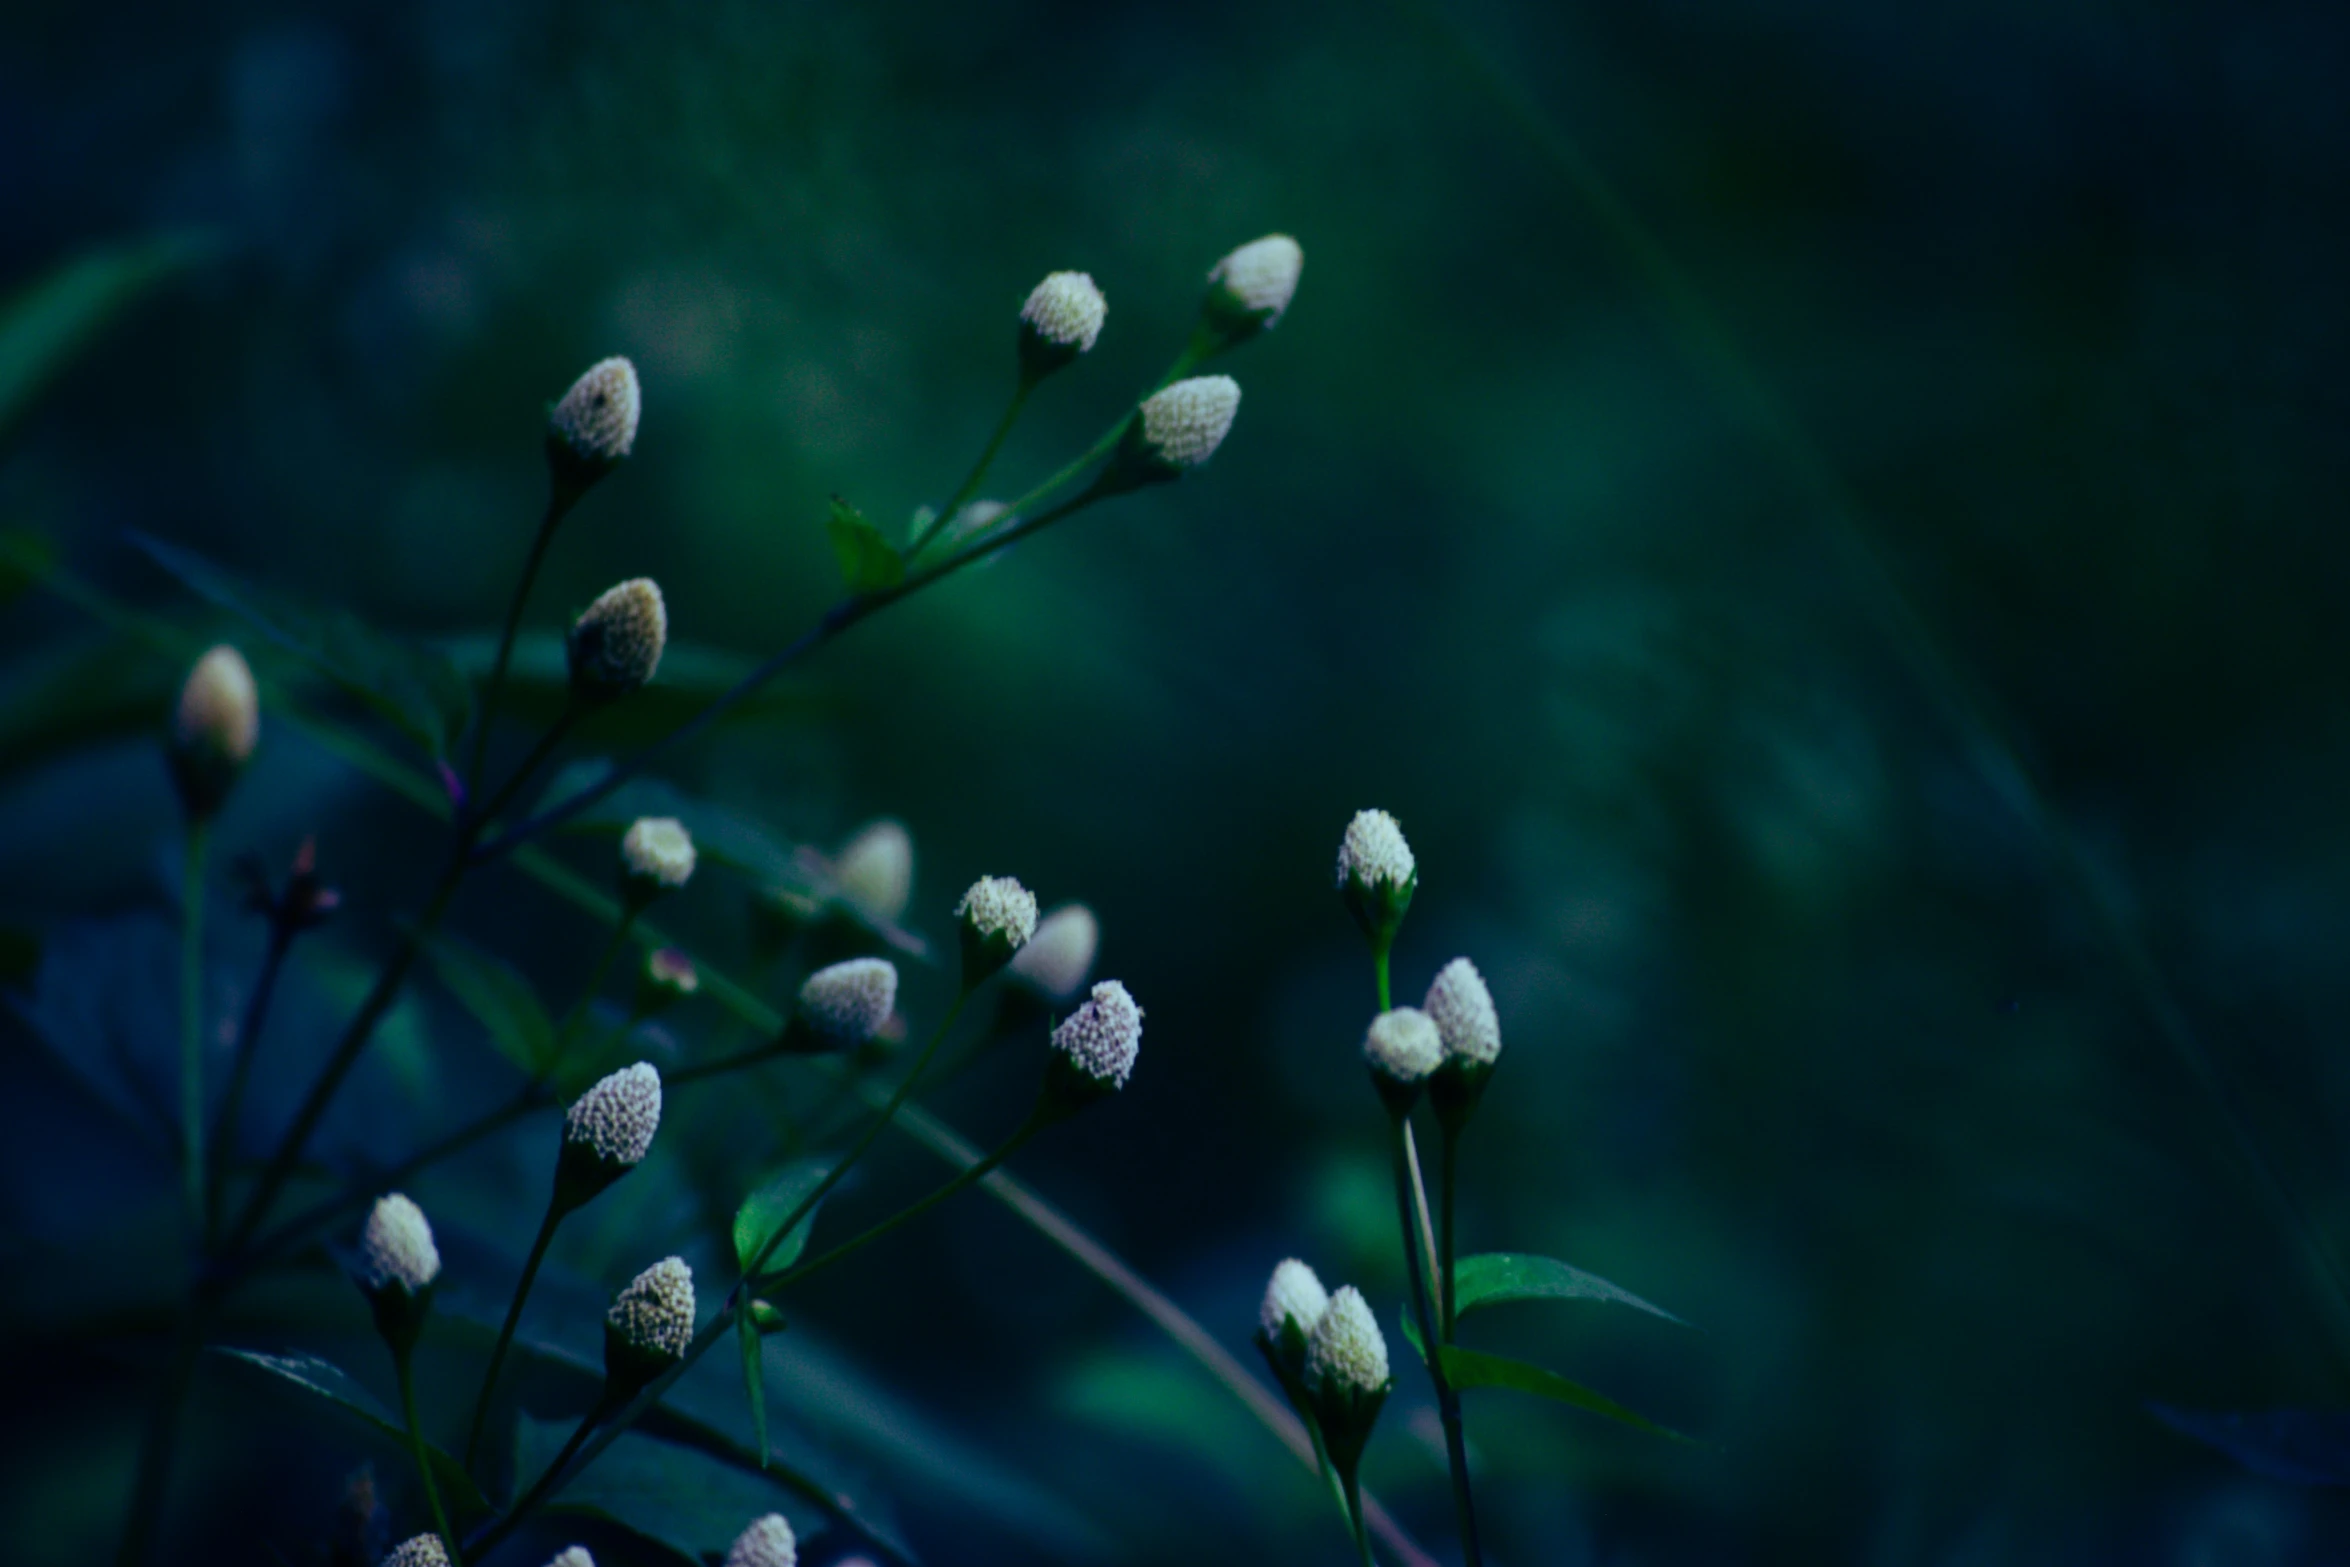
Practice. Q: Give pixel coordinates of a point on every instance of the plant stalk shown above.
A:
(970, 1175)
(971, 481)
(489, 1378)
(225, 1123)
(402, 1363)
(556, 507)
(1447, 1400)
(192, 1163)
(1449, 1286)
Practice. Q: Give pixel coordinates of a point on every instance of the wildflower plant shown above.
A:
(449, 743)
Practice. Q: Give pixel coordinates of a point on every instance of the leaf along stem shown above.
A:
(192, 1162)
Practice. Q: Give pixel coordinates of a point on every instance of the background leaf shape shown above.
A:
(45, 325)
(333, 1387)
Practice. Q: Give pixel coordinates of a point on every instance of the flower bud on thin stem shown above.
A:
(1058, 959)
(768, 1542)
(397, 1265)
(994, 920)
(214, 729)
(1401, 1048)
(656, 856)
(1061, 320)
(1249, 290)
(606, 1133)
(648, 1328)
(1175, 430)
(1093, 1052)
(593, 428)
(423, 1550)
(841, 1007)
(668, 977)
(1376, 877)
(615, 645)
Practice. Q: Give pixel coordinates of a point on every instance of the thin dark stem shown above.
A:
(1354, 1519)
(723, 1065)
(489, 1379)
(587, 995)
(224, 1125)
(970, 1175)
(1447, 1401)
(192, 1162)
(540, 750)
(1448, 1286)
(556, 507)
(432, 1491)
(547, 1482)
(348, 1049)
(971, 481)
(150, 1491)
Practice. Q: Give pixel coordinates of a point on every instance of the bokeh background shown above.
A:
(1825, 522)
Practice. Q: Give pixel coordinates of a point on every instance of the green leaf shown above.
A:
(499, 998)
(85, 691)
(1466, 1368)
(46, 325)
(768, 1207)
(417, 689)
(672, 1495)
(331, 1384)
(754, 1381)
(1499, 1277)
(867, 563)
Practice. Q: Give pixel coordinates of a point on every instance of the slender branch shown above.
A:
(1447, 1401)
(969, 1175)
(587, 995)
(401, 1360)
(225, 1122)
(549, 1482)
(971, 482)
(1354, 1519)
(556, 507)
(1448, 1286)
(540, 750)
(489, 1378)
(192, 1163)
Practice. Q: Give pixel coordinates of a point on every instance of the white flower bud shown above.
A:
(671, 970)
(596, 420)
(1374, 853)
(875, 870)
(997, 917)
(1295, 1294)
(616, 1119)
(576, 1556)
(655, 1313)
(615, 645)
(1462, 1009)
(1065, 312)
(847, 1003)
(1346, 1350)
(1261, 276)
(1183, 425)
(1102, 1037)
(396, 1246)
(424, 1550)
(1403, 1046)
(657, 853)
(1059, 958)
(768, 1542)
(214, 728)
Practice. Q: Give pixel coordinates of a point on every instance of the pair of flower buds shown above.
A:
(768, 1542)
(1329, 1356)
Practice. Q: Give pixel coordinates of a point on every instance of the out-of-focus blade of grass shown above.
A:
(913, 1121)
(46, 324)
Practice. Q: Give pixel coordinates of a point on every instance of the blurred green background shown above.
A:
(1823, 521)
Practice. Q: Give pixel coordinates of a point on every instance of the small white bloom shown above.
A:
(396, 1246)
(1059, 957)
(1403, 1045)
(597, 418)
(424, 1550)
(656, 1311)
(615, 645)
(875, 870)
(1066, 310)
(998, 907)
(1374, 853)
(219, 712)
(576, 1556)
(1262, 274)
(659, 850)
(848, 1002)
(1462, 1009)
(1103, 1036)
(1295, 1294)
(616, 1119)
(1346, 1349)
(1183, 425)
(672, 970)
(768, 1542)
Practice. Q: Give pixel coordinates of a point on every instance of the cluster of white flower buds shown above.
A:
(995, 919)
(1326, 1351)
(656, 856)
(423, 1550)
(768, 1542)
(842, 1006)
(616, 643)
(593, 428)
(606, 1133)
(397, 1263)
(649, 1327)
(214, 728)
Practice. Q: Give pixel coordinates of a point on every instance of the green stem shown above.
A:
(971, 481)
(225, 1123)
(553, 1477)
(556, 507)
(540, 750)
(192, 1165)
(489, 1379)
(970, 1175)
(1448, 1161)
(888, 1113)
(1447, 1400)
(432, 1490)
(1379, 972)
(1354, 1518)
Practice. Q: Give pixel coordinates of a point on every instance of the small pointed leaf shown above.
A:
(330, 1383)
(675, 1496)
(1497, 1278)
(767, 1207)
(1466, 1368)
(499, 998)
(867, 563)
